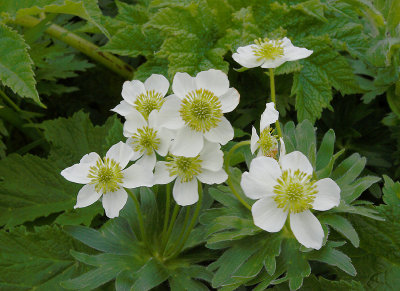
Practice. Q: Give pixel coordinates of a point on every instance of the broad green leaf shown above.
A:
(37, 260)
(325, 151)
(16, 64)
(313, 8)
(322, 284)
(342, 225)
(150, 275)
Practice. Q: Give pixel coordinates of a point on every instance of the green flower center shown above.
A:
(201, 110)
(268, 143)
(145, 103)
(106, 175)
(295, 191)
(185, 168)
(267, 49)
(145, 140)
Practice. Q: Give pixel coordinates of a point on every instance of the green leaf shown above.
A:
(343, 226)
(322, 284)
(313, 8)
(150, 275)
(16, 64)
(37, 260)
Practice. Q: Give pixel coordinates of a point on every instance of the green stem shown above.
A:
(185, 223)
(84, 46)
(192, 223)
(167, 208)
(171, 226)
(273, 98)
(229, 180)
(9, 101)
(139, 214)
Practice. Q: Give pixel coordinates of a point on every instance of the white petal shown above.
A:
(229, 100)
(87, 196)
(136, 154)
(292, 53)
(137, 176)
(161, 174)
(188, 143)
(133, 121)
(77, 173)
(254, 140)
(158, 83)
(165, 136)
(260, 180)
(273, 63)
(123, 108)
(121, 153)
(328, 195)
(246, 58)
(222, 133)
(131, 89)
(90, 158)
(296, 161)
(212, 177)
(267, 215)
(282, 150)
(307, 229)
(211, 156)
(147, 161)
(269, 116)
(113, 202)
(182, 84)
(169, 115)
(185, 193)
(215, 81)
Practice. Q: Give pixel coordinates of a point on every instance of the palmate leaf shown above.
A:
(16, 64)
(253, 256)
(37, 260)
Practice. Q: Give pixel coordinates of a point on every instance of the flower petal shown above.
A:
(161, 174)
(188, 143)
(158, 83)
(133, 121)
(215, 81)
(212, 177)
(292, 53)
(185, 193)
(260, 180)
(222, 133)
(136, 154)
(137, 176)
(328, 195)
(269, 116)
(269, 64)
(267, 215)
(165, 136)
(182, 84)
(123, 108)
(307, 229)
(113, 202)
(246, 57)
(254, 140)
(147, 160)
(169, 115)
(77, 173)
(229, 100)
(87, 196)
(131, 89)
(282, 150)
(211, 156)
(296, 161)
(121, 153)
(90, 158)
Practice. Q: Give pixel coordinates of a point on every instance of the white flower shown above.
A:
(267, 143)
(107, 178)
(205, 167)
(143, 97)
(286, 188)
(146, 138)
(269, 53)
(196, 111)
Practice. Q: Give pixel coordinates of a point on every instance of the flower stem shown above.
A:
(229, 180)
(84, 46)
(185, 223)
(167, 208)
(273, 98)
(192, 223)
(171, 226)
(139, 214)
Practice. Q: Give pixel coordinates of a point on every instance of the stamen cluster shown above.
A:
(106, 175)
(145, 140)
(201, 110)
(295, 191)
(147, 102)
(268, 49)
(184, 167)
(268, 143)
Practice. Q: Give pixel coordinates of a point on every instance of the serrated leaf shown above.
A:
(343, 226)
(16, 64)
(321, 284)
(36, 260)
